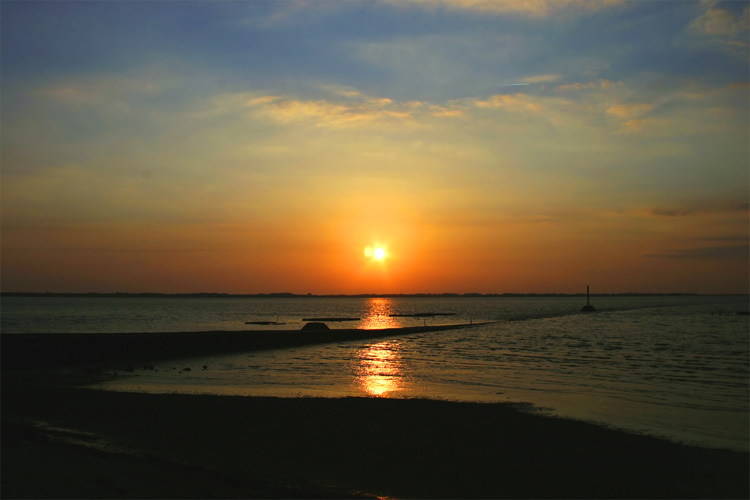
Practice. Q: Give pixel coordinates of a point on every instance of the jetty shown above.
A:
(20, 351)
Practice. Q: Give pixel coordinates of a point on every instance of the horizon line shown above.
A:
(344, 295)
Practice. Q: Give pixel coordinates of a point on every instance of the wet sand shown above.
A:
(61, 441)
(97, 444)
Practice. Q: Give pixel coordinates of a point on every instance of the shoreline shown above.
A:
(132, 445)
(20, 351)
(61, 440)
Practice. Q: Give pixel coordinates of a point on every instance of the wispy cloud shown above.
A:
(724, 27)
(542, 78)
(721, 22)
(511, 102)
(739, 252)
(530, 8)
(600, 84)
(629, 110)
(699, 208)
(336, 114)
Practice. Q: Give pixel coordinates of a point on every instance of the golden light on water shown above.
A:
(377, 315)
(379, 369)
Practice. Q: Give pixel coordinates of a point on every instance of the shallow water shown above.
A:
(185, 314)
(678, 371)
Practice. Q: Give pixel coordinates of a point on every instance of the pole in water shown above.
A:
(588, 307)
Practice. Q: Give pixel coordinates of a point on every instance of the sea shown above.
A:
(676, 367)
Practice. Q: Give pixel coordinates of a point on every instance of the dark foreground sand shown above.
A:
(182, 446)
(60, 441)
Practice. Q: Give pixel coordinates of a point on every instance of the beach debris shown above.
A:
(315, 326)
(186, 369)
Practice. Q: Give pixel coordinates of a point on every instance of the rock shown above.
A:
(316, 327)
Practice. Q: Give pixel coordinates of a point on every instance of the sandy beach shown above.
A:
(98, 444)
(63, 441)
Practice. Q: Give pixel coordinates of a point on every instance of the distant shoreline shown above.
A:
(285, 295)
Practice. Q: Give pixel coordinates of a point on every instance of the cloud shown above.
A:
(516, 103)
(706, 253)
(629, 110)
(707, 207)
(335, 114)
(527, 8)
(675, 125)
(600, 84)
(104, 90)
(724, 28)
(721, 23)
(542, 78)
(447, 112)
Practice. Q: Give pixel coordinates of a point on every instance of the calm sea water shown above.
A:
(677, 367)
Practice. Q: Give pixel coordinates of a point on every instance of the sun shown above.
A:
(375, 253)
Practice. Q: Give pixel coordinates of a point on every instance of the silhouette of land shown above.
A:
(97, 444)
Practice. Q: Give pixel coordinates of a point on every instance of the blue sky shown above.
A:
(189, 126)
(409, 51)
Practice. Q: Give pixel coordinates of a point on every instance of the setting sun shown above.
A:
(377, 253)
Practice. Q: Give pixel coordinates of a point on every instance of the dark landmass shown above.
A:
(97, 444)
(19, 351)
(339, 296)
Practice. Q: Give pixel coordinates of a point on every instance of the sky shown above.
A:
(486, 146)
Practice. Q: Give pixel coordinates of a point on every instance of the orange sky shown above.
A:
(487, 148)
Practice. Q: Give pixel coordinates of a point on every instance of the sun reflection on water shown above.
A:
(380, 370)
(377, 315)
